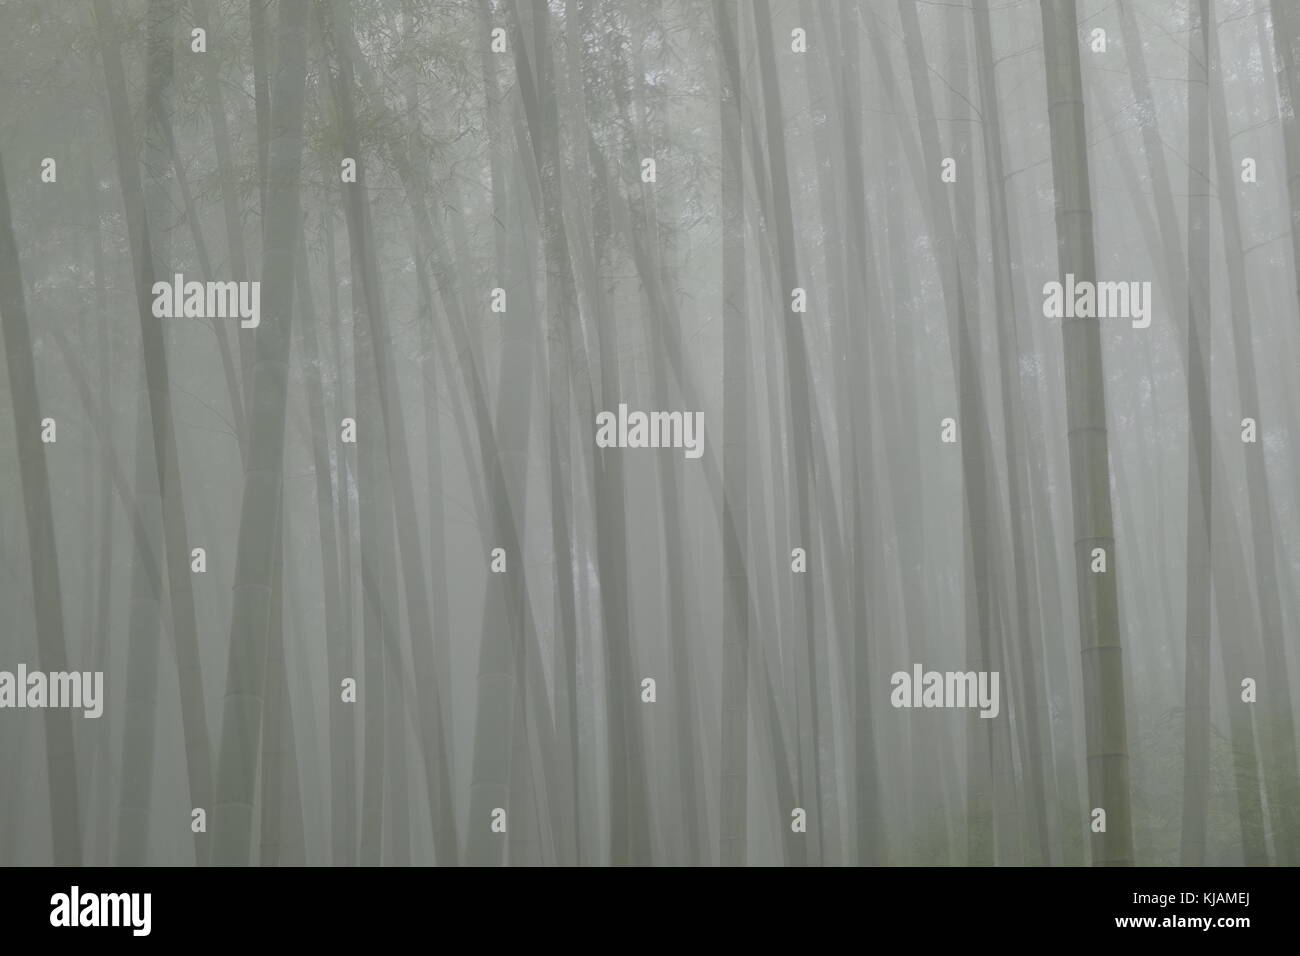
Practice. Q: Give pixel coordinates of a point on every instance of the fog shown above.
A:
(593, 432)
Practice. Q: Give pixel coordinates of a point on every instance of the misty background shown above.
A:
(796, 145)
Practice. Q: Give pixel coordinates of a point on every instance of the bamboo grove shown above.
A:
(586, 432)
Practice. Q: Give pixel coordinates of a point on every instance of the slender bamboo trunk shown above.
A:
(1037, 759)
(1196, 688)
(157, 379)
(1089, 454)
(338, 644)
(1260, 504)
(979, 556)
(733, 833)
(236, 258)
(264, 470)
(801, 409)
(96, 790)
(47, 598)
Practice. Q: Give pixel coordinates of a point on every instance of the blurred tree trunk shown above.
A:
(102, 628)
(338, 631)
(1039, 407)
(47, 598)
(869, 472)
(157, 379)
(374, 510)
(734, 804)
(1153, 149)
(908, 489)
(246, 678)
(686, 742)
(145, 621)
(236, 258)
(801, 405)
(1006, 793)
(838, 509)
(346, 485)
(630, 824)
(563, 505)
(1198, 621)
(1089, 453)
(281, 830)
(439, 600)
(144, 633)
(1278, 721)
(979, 556)
(539, 162)
(258, 33)
(1035, 719)
(1259, 495)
